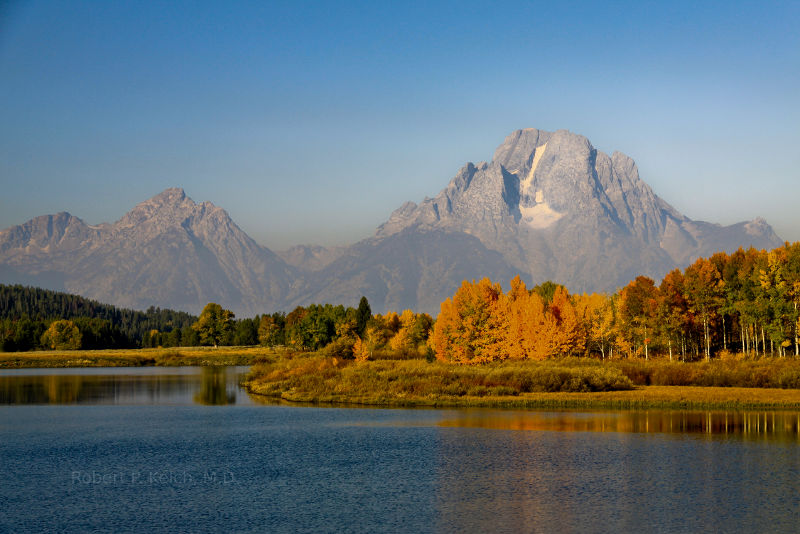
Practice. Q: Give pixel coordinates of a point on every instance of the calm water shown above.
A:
(143, 450)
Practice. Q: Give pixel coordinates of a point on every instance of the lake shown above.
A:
(186, 450)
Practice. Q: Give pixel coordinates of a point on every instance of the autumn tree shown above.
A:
(775, 300)
(523, 321)
(470, 326)
(214, 324)
(62, 335)
(792, 276)
(361, 351)
(703, 285)
(567, 336)
(597, 314)
(672, 312)
(412, 333)
(637, 307)
(271, 330)
(294, 335)
(741, 289)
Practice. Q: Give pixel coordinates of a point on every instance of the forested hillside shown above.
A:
(27, 312)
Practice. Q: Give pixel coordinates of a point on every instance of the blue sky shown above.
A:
(309, 122)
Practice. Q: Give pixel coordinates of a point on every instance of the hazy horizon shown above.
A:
(310, 123)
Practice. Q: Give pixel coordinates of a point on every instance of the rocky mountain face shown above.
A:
(556, 208)
(168, 251)
(548, 206)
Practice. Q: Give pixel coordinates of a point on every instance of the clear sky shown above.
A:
(309, 122)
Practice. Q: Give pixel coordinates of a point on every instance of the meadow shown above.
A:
(558, 383)
(171, 357)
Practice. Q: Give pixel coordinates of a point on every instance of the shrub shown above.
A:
(340, 348)
(789, 379)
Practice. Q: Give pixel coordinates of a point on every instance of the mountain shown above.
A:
(549, 206)
(310, 258)
(407, 270)
(168, 251)
(556, 208)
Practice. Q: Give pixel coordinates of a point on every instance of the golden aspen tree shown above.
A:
(360, 350)
(566, 337)
(596, 321)
(537, 328)
(391, 322)
(402, 341)
(62, 335)
(516, 302)
(637, 307)
(470, 327)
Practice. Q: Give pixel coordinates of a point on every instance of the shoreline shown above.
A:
(157, 357)
(639, 398)
(336, 392)
(553, 384)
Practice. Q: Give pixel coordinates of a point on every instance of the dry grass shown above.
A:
(673, 397)
(172, 357)
(761, 373)
(318, 378)
(569, 383)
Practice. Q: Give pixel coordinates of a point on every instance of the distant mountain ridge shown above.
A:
(548, 206)
(168, 251)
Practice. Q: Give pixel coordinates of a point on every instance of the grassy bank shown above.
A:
(172, 357)
(568, 383)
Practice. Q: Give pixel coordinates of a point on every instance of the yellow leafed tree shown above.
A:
(528, 331)
(472, 327)
(360, 350)
(566, 336)
(402, 341)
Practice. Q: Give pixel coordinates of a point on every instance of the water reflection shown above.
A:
(182, 385)
(729, 423)
(214, 389)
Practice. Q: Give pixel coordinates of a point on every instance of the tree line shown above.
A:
(39, 319)
(340, 331)
(746, 302)
(26, 314)
(742, 302)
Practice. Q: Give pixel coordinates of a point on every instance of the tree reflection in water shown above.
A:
(208, 386)
(730, 423)
(213, 391)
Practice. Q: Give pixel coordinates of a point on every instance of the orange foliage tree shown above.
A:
(481, 324)
(751, 294)
(470, 327)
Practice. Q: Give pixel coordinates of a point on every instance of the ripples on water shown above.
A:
(187, 450)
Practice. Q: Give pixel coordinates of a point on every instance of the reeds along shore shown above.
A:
(169, 357)
(577, 382)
